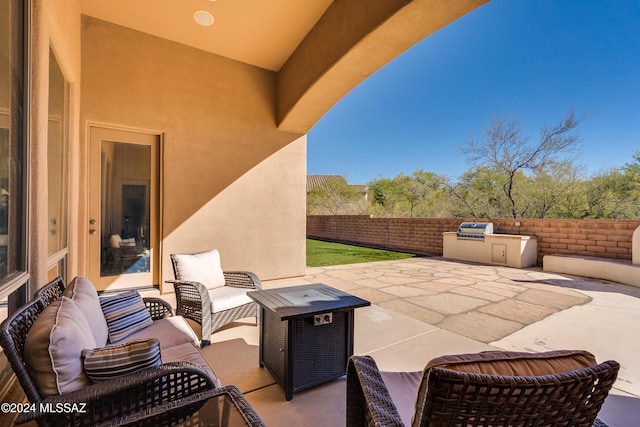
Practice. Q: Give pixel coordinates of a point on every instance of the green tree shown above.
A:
(479, 194)
(433, 192)
(335, 197)
(415, 195)
(383, 196)
(554, 191)
(632, 171)
(613, 195)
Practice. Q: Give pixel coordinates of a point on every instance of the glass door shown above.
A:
(123, 223)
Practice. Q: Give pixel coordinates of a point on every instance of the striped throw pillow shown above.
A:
(103, 364)
(125, 314)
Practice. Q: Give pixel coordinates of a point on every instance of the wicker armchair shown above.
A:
(98, 402)
(200, 302)
(564, 388)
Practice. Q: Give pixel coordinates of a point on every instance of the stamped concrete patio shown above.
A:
(427, 307)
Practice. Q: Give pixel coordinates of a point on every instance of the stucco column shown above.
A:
(38, 126)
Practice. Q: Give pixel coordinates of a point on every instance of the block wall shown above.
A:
(599, 238)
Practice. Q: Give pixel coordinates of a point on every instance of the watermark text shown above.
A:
(44, 407)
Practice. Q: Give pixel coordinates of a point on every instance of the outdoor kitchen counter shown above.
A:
(512, 250)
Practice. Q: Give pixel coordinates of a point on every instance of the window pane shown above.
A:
(11, 137)
(57, 155)
(125, 208)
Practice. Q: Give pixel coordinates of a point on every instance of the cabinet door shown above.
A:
(499, 253)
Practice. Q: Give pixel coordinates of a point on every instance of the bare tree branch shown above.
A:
(507, 151)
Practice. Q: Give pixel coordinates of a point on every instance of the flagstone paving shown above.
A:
(484, 303)
(426, 307)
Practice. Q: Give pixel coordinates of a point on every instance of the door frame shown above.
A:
(123, 281)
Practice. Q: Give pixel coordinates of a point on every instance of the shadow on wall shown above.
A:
(216, 125)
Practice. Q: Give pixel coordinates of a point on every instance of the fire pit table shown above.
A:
(306, 334)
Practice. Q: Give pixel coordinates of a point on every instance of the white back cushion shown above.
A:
(202, 267)
(84, 294)
(53, 348)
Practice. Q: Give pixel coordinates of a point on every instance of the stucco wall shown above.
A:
(55, 25)
(230, 179)
(601, 238)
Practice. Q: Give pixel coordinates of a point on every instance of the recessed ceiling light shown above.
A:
(203, 18)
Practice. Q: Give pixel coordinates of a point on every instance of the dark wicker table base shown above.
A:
(297, 350)
(311, 355)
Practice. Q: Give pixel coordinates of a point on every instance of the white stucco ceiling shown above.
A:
(263, 33)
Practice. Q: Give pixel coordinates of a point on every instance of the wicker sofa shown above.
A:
(494, 388)
(180, 371)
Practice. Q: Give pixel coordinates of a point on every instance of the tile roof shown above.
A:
(324, 182)
(327, 182)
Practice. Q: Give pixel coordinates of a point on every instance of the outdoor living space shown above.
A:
(427, 307)
(125, 139)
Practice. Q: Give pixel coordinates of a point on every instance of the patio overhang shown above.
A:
(328, 63)
(319, 50)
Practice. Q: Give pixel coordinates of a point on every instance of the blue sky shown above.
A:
(531, 59)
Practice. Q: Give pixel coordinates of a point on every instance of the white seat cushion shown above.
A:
(189, 353)
(228, 297)
(171, 331)
(202, 267)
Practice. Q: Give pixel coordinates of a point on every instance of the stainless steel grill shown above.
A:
(474, 230)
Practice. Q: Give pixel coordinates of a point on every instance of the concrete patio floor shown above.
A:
(427, 307)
